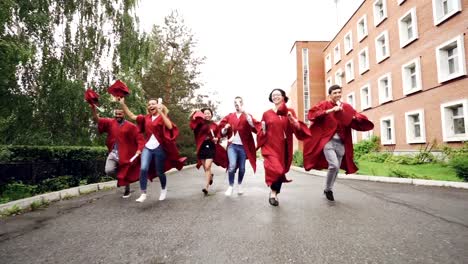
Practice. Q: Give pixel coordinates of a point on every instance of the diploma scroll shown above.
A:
(134, 157)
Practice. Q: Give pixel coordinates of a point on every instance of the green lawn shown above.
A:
(423, 171)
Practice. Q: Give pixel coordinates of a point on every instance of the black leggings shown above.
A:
(276, 186)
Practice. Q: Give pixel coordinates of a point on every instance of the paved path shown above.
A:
(370, 223)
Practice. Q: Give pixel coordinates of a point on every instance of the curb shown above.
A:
(461, 185)
(25, 203)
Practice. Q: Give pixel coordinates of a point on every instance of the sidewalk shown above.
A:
(462, 185)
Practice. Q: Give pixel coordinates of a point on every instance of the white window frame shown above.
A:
(363, 69)
(400, 2)
(383, 131)
(354, 136)
(349, 74)
(379, 56)
(406, 82)
(337, 53)
(402, 29)
(383, 99)
(442, 64)
(410, 138)
(339, 77)
(377, 19)
(369, 101)
(328, 83)
(437, 10)
(361, 36)
(348, 42)
(328, 64)
(352, 101)
(447, 132)
(367, 134)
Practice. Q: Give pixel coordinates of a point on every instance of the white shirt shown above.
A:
(235, 139)
(153, 142)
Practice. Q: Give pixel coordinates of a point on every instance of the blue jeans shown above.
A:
(147, 156)
(237, 157)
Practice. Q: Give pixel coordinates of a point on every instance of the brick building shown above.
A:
(401, 63)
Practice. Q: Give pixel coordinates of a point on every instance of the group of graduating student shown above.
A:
(148, 149)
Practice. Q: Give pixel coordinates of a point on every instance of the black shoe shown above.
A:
(329, 195)
(127, 193)
(273, 201)
(212, 176)
(205, 191)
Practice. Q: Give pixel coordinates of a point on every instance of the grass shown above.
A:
(422, 171)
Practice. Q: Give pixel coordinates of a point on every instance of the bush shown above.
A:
(396, 172)
(376, 157)
(402, 159)
(366, 146)
(58, 183)
(17, 190)
(460, 164)
(298, 159)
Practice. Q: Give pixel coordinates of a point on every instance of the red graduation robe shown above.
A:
(129, 140)
(241, 126)
(166, 137)
(203, 129)
(323, 128)
(277, 143)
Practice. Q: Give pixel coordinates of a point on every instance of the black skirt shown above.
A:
(207, 150)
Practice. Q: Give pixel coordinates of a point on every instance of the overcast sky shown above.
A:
(247, 43)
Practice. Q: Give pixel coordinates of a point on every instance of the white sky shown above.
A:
(247, 42)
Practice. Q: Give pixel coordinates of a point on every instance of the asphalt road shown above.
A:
(369, 223)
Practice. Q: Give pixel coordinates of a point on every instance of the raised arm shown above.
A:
(94, 113)
(126, 110)
(166, 120)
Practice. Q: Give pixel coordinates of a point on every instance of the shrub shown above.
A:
(396, 172)
(58, 183)
(460, 164)
(376, 157)
(298, 159)
(402, 159)
(17, 190)
(366, 146)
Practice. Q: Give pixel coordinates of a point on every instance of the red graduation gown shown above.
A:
(277, 143)
(129, 140)
(323, 128)
(166, 137)
(241, 126)
(203, 129)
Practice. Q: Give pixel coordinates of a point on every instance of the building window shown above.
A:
(363, 61)
(354, 136)
(384, 84)
(337, 54)
(444, 9)
(349, 71)
(350, 99)
(306, 84)
(415, 127)
(367, 134)
(382, 47)
(362, 28)
(328, 62)
(451, 59)
(328, 83)
(365, 97)
(408, 27)
(380, 11)
(455, 120)
(338, 77)
(348, 42)
(411, 76)
(387, 130)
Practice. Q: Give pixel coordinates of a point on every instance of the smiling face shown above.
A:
(208, 115)
(119, 115)
(238, 104)
(277, 97)
(335, 95)
(152, 107)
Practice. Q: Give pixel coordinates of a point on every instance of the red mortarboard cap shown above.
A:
(91, 97)
(198, 114)
(118, 89)
(361, 123)
(345, 116)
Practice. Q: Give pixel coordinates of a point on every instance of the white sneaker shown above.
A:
(142, 198)
(228, 191)
(163, 194)
(240, 190)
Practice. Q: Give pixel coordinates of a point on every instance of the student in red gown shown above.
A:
(160, 145)
(208, 148)
(330, 145)
(238, 128)
(123, 142)
(275, 138)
